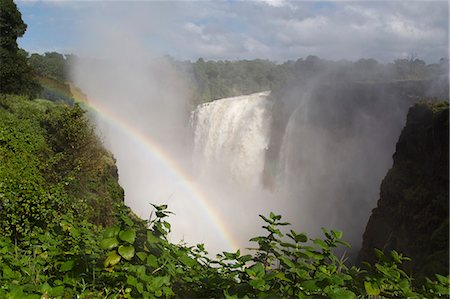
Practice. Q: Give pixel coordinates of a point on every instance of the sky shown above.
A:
(278, 30)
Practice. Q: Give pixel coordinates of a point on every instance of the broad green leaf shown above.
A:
(45, 287)
(127, 220)
(66, 266)
(111, 259)
(131, 280)
(371, 288)
(257, 284)
(187, 261)
(302, 238)
(337, 234)
(128, 235)
(309, 285)
(257, 270)
(341, 293)
(245, 258)
(151, 238)
(281, 276)
(302, 273)
(56, 291)
(286, 261)
(109, 243)
(8, 272)
(111, 232)
(257, 239)
(322, 244)
(152, 261)
(127, 252)
(141, 255)
(343, 243)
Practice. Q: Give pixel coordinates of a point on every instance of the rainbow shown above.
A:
(157, 152)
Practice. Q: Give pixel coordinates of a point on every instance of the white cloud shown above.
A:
(280, 30)
(274, 3)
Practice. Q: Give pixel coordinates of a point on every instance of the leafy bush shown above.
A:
(52, 163)
(128, 260)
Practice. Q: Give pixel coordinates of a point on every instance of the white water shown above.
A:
(330, 164)
(231, 137)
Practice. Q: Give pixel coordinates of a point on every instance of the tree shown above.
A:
(16, 76)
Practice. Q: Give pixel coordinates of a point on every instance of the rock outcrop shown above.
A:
(412, 214)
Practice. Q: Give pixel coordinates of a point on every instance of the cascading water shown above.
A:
(231, 136)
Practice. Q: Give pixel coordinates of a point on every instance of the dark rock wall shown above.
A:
(413, 210)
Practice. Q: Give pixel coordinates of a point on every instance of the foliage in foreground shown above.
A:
(73, 259)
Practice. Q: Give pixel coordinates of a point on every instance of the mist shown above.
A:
(314, 150)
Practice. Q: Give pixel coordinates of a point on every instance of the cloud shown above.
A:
(277, 29)
(274, 3)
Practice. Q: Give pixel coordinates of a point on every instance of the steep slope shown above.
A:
(52, 164)
(412, 212)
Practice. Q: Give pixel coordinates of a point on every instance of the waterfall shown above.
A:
(231, 137)
(331, 148)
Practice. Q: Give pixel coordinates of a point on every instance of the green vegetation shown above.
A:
(16, 76)
(218, 79)
(51, 160)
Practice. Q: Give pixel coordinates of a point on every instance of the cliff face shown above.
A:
(413, 210)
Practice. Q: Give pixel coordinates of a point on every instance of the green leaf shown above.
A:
(151, 238)
(152, 261)
(187, 261)
(132, 281)
(111, 259)
(266, 219)
(337, 234)
(127, 252)
(257, 284)
(310, 285)
(141, 255)
(302, 238)
(287, 262)
(228, 296)
(341, 293)
(379, 254)
(322, 244)
(66, 266)
(257, 270)
(127, 220)
(395, 256)
(111, 232)
(57, 291)
(371, 289)
(109, 243)
(128, 236)
(442, 279)
(168, 292)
